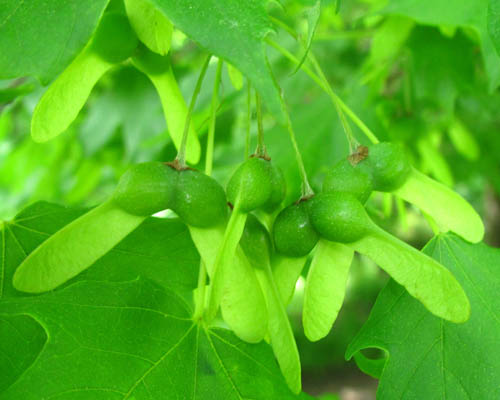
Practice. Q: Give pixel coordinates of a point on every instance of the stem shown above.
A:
(402, 213)
(306, 187)
(249, 119)
(200, 300)
(353, 143)
(181, 155)
(211, 128)
(225, 253)
(324, 84)
(261, 147)
(407, 85)
(202, 274)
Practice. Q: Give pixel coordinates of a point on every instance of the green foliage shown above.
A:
(74, 248)
(152, 330)
(433, 360)
(493, 24)
(463, 14)
(144, 189)
(151, 26)
(233, 31)
(369, 78)
(25, 35)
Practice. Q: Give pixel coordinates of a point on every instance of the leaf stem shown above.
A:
(325, 85)
(202, 274)
(200, 299)
(261, 147)
(249, 119)
(181, 155)
(306, 187)
(225, 253)
(213, 116)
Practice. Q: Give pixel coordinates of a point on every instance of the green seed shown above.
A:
(346, 177)
(146, 188)
(339, 217)
(278, 189)
(293, 232)
(250, 186)
(200, 200)
(389, 166)
(256, 242)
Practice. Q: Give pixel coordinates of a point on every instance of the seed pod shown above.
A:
(389, 166)
(251, 182)
(200, 200)
(278, 189)
(293, 232)
(146, 188)
(256, 242)
(339, 217)
(350, 178)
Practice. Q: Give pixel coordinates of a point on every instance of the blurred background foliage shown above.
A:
(425, 76)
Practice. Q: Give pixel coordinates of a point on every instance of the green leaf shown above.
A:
(424, 278)
(136, 336)
(169, 260)
(234, 31)
(150, 25)
(450, 211)
(21, 341)
(430, 358)
(66, 96)
(126, 340)
(387, 43)
(41, 38)
(433, 160)
(242, 302)
(464, 13)
(313, 13)
(129, 101)
(11, 93)
(463, 140)
(389, 38)
(494, 23)
(325, 288)
(372, 367)
(430, 59)
(74, 248)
